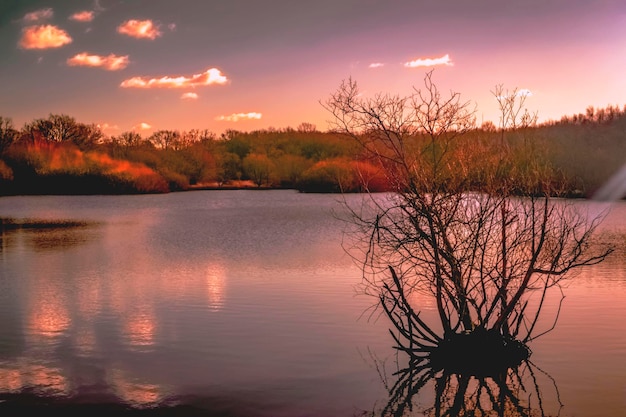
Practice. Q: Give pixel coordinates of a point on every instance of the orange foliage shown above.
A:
(6, 173)
(65, 158)
(370, 177)
(342, 174)
(116, 166)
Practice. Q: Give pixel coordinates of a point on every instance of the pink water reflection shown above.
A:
(185, 297)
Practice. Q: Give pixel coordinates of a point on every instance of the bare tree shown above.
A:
(89, 136)
(306, 127)
(63, 128)
(197, 136)
(166, 139)
(513, 111)
(8, 134)
(56, 128)
(128, 139)
(486, 257)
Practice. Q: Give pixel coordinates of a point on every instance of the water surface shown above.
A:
(244, 301)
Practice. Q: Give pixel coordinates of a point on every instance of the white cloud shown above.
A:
(376, 65)
(43, 36)
(142, 126)
(209, 77)
(107, 127)
(110, 62)
(141, 29)
(38, 15)
(235, 117)
(522, 92)
(189, 96)
(84, 16)
(429, 62)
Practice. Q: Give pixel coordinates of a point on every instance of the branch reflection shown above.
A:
(419, 389)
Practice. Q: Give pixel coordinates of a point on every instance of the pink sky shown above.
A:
(254, 64)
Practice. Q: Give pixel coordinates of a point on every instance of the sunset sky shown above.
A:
(251, 64)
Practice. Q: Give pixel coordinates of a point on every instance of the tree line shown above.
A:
(59, 155)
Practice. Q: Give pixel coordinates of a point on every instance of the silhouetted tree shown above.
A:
(485, 257)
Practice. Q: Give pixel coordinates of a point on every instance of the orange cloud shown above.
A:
(376, 65)
(429, 62)
(111, 62)
(141, 29)
(209, 77)
(43, 36)
(235, 117)
(189, 96)
(84, 16)
(38, 15)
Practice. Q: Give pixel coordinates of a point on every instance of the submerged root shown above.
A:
(479, 353)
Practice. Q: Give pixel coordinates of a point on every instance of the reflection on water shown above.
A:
(216, 283)
(247, 298)
(148, 298)
(23, 373)
(139, 329)
(52, 382)
(42, 234)
(49, 317)
(86, 342)
(417, 389)
(135, 393)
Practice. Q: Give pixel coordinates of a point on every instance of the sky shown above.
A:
(146, 65)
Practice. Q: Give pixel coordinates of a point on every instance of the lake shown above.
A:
(245, 303)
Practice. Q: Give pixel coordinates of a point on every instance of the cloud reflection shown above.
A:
(49, 316)
(140, 329)
(20, 374)
(216, 283)
(138, 394)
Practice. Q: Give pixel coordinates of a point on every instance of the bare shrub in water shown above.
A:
(473, 226)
